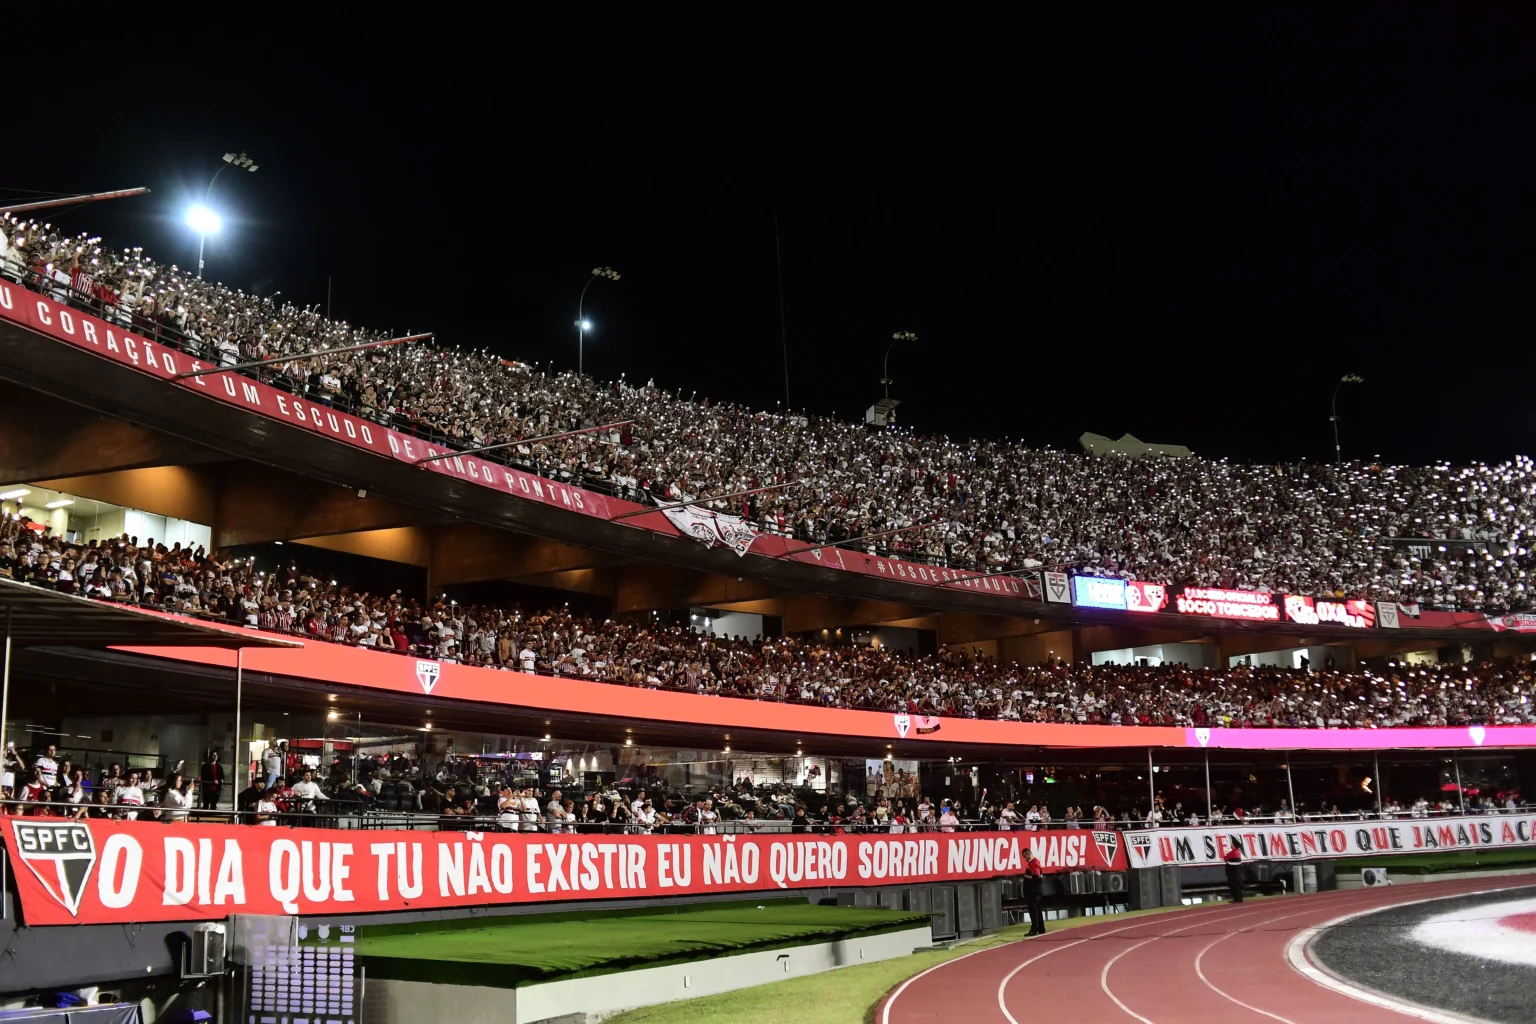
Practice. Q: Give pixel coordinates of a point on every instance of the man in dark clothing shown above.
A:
(1234, 859)
(1033, 874)
(211, 780)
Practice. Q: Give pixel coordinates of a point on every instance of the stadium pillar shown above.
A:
(1290, 786)
(1376, 761)
(237, 761)
(5, 686)
(1210, 798)
(1151, 787)
(1461, 794)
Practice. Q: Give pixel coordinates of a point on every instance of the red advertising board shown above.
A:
(1227, 604)
(1145, 597)
(1309, 611)
(343, 666)
(101, 872)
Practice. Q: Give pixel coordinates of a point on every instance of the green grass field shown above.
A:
(510, 951)
(1433, 863)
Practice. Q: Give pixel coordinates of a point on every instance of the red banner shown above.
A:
(362, 667)
(97, 872)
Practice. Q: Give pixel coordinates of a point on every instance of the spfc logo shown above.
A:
(427, 673)
(1108, 844)
(1203, 736)
(1478, 734)
(61, 855)
(1142, 844)
(903, 723)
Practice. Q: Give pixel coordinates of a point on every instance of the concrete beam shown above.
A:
(466, 553)
(587, 581)
(257, 504)
(811, 612)
(409, 544)
(42, 439)
(185, 492)
(965, 628)
(652, 587)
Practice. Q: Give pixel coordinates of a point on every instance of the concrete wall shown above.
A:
(398, 1002)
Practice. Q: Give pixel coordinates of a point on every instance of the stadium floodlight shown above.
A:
(1333, 411)
(583, 325)
(203, 220)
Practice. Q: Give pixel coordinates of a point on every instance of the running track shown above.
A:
(1224, 962)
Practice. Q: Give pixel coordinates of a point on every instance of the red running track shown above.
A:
(1223, 962)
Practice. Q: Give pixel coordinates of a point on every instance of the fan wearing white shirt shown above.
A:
(175, 801)
(531, 814)
(307, 791)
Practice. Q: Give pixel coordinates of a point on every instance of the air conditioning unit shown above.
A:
(1114, 881)
(205, 950)
(1370, 877)
(1078, 883)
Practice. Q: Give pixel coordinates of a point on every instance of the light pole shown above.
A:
(583, 325)
(885, 366)
(202, 219)
(1333, 408)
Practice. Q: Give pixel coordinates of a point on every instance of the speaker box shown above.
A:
(1171, 885)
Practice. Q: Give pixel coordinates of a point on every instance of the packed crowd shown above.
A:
(285, 788)
(1294, 528)
(647, 652)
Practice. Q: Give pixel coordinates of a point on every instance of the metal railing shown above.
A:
(335, 814)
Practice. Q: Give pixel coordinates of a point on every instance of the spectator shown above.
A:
(47, 766)
(307, 793)
(175, 800)
(1291, 528)
(210, 782)
(266, 808)
(273, 763)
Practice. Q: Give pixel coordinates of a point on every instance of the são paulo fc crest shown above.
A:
(60, 854)
(1142, 844)
(903, 723)
(1203, 736)
(1108, 844)
(427, 673)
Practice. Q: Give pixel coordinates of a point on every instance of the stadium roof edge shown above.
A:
(32, 616)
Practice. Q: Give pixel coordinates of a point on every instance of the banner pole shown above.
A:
(239, 766)
(1290, 786)
(1151, 790)
(5, 693)
(1376, 758)
(1210, 798)
(1461, 794)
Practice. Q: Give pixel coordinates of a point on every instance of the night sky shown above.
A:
(1183, 229)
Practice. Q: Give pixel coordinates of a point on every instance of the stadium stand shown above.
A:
(1339, 530)
(638, 651)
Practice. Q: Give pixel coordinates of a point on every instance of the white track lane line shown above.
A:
(1104, 974)
(1214, 911)
(1002, 1003)
(1297, 953)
